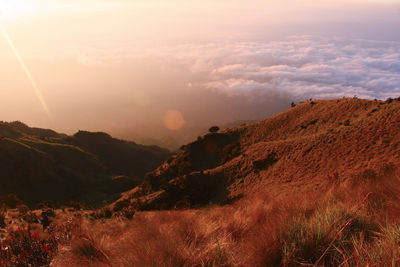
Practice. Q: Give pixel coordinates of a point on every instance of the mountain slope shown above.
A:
(301, 149)
(40, 164)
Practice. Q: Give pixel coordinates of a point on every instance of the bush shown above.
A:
(103, 213)
(11, 201)
(120, 205)
(22, 248)
(213, 129)
(47, 204)
(127, 212)
(2, 220)
(22, 209)
(75, 204)
(30, 217)
(50, 213)
(63, 232)
(389, 100)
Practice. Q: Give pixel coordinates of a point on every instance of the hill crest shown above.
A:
(40, 164)
(300, 149)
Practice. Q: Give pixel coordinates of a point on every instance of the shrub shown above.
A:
(75, 205)
(22, 248)
(47, 204)
(65, 230)
(213, 129)
(389, 100)
(103, 213)
(120, 205)
(2, 220)
(30, 217)
(50, 213)
(11, 201)
(126, 212)
(22, 209)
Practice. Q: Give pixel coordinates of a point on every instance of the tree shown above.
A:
(213, 129)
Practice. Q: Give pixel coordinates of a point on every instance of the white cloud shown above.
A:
(301, 66)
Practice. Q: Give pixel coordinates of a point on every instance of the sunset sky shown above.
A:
(125, 66)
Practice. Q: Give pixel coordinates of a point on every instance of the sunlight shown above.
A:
(26, 71)
(15, 8)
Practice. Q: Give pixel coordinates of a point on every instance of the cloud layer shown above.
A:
(302, 66)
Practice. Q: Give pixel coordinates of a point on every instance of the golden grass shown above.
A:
(329, 228)
(331, 198)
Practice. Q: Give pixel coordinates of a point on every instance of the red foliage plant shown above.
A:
(22, 248)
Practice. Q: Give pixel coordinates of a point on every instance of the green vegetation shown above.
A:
(39, 165)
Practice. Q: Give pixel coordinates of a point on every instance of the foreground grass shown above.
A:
(350, 224)
(343, 227)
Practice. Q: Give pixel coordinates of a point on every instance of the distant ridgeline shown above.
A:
(307, 147)
(40, 164)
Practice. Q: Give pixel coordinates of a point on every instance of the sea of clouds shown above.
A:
(216, 82)
(301, 66)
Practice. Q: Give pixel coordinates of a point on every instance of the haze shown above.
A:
(163, 72)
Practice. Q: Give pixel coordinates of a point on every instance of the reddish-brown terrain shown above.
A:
(316, 185)
(302, 149)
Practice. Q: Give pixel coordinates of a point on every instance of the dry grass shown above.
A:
(330, 228)
(331, 198)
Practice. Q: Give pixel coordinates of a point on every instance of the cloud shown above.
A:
(213, 83)
(304, 67)
(301, 66)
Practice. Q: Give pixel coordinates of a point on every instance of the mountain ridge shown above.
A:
(41, 164)
(301, 148)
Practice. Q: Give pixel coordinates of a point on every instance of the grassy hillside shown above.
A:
(301, 149)
(316, 185)
(40, 164)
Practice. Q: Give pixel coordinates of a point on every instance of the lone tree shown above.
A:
(213, 129)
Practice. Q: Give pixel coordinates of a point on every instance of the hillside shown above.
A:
(300, 150)
(40, 164)
(316, 185)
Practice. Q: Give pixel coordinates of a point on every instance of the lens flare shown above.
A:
(173, 120)
(26, 70)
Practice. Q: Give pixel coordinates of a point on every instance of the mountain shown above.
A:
(316, 185)
(174, 140)
(40, 164)
(301, 149)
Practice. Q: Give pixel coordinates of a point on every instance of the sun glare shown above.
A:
(11, 9)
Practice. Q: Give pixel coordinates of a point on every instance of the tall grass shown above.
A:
(340, 227)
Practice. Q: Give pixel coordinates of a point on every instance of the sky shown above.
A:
(163, 72)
